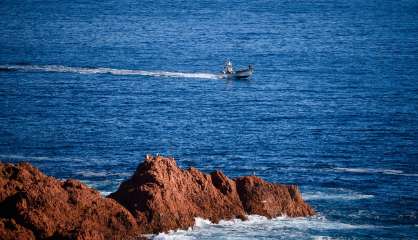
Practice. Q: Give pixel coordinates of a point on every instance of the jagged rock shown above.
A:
(10, 230)
(161, 196)
(35, 206)
(271, 200)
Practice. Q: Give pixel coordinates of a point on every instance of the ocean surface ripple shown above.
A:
(89, 88)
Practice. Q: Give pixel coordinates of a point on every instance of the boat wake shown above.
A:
(102, 70)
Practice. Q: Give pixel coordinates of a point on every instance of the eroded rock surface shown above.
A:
(158, 197)
(161, 196)
(35, 206)
(271, 200)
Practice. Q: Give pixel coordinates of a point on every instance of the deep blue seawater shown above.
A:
(332, 107)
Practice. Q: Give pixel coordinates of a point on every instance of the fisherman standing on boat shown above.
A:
(228, 68)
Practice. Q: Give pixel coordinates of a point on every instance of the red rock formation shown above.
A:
(159, 196)
(35, 206)
(271, 200)
(162, 196)
(10, 230)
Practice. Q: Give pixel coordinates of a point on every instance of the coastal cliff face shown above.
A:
(161, 196)
(158, 197)
(35, 206)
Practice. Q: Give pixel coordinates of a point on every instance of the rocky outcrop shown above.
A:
(158, 197)
(10, 230)
(161, 196)
(35, 206)
(271, 200)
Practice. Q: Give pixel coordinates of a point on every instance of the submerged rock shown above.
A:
(161, 196)
(35, 206)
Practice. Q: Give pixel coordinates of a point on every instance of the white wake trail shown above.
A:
(102, 70)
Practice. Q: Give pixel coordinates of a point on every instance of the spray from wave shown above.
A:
(102, 70)
(258, 227)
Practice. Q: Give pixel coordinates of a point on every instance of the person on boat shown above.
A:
(228, 67)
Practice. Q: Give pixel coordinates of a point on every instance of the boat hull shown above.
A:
(243, 73)
(240, 74)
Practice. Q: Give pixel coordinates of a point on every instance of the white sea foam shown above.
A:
(42, 159)
(260, 227)
(101, 173)
(105, 193)
(21, 157)
(322, 238)
(93, 174)
(339, 194)
(375, 170)
(102, 70)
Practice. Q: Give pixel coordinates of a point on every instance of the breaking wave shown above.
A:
(375, 170)
(344, 196)
(258, 227)
(21, 157)
(102, 70)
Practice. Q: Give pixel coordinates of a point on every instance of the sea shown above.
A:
(88, 88)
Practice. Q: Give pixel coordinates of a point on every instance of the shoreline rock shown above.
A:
(158, 197)
(36, 206)
(161, 196)
(271, 200)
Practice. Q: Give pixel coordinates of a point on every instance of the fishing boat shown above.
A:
(239, 74)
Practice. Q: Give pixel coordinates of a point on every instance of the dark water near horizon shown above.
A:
(87, 89)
